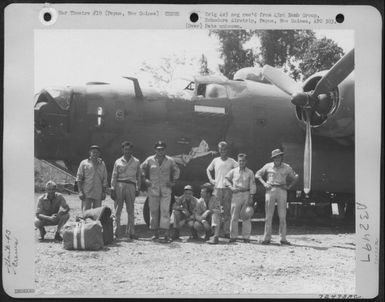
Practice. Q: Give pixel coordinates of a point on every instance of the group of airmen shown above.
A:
(226, 198)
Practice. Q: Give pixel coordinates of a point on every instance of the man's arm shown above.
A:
(80, 178)
(64, 205)
(144, 167)
(253, 188)
(138, 178)
(114, 176)
(208, 172)
(259, 176)
(294, 177)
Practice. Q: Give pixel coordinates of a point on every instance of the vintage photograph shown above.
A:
(194, 163)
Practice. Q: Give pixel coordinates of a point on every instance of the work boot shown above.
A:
(232, 240)
(175, 235)
(227, 236)
(133, 236)
(285, 242)
(58, 237)
(194, 234)
(246, 240)
(42, 233)
(207, 235)
(155, 235)
(213, 240)
(265, 242)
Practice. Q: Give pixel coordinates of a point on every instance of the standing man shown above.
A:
(241, 182)
(183, 210)
(125, 184)
(276, 187)
(221, 166)
(160, 172)
(92, 180)
(48, 211)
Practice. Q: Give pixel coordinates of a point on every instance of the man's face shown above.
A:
(94, 153)
(242, 162)
(51, 192)
(223, 151)
(203, 193)
(278, 160)
(188, 194)
(127, 151)
(160, 152)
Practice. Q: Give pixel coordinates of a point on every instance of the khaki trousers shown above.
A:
(125, 194)
(224, 196)
(238, 203)
(279, 196)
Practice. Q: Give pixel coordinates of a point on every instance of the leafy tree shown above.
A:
(233, 54)
(322, 54)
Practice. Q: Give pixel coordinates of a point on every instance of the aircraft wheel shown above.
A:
(146, 213)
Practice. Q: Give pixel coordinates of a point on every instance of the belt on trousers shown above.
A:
(127, 182)
(278, 186)
(242, 191)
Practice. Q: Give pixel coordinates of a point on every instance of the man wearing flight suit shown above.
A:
(92, 180)
(160, 172)
(241, 182)
(221, 166)
(276, 187)
(48, 211)
(125, 184)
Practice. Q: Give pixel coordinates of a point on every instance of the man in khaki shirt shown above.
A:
(160, 172)
(276, 173)
(92, 180)
(48, 211)
(125, 184)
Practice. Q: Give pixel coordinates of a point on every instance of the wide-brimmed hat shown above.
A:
(188, 187)
(94, 147)
(276, 152)
(160, 145)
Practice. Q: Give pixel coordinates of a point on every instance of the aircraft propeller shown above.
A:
(317, 101)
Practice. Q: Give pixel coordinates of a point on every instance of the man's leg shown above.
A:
(63, 218)
(246, 224)
(227, 195)
(39, 224)
(154, 206)
(178, 223)
(97, 203)
(269, 211)
(130, 208)
(164, 223)
(236, 205)
(86, 204)
(281, 207)
(118, 205)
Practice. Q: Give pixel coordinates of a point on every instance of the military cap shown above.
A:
(188, 187)
(50, 185)
(160, 145)
(276, 152)
(92, 147)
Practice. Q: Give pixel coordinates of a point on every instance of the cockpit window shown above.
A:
(61, 96)
(211, 91)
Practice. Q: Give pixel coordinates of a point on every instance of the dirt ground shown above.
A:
(321, 260)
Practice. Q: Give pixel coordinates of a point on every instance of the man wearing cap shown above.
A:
(160, 172)
(241, 182)
(207, 214)
(276, 187)
(221, 166)
(48, 211)
(183, 211)
(92, 180)
(125, 184)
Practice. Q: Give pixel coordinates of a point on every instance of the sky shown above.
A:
(74, 57)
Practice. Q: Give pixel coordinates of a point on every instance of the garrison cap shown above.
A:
(127, 143)
(92, 147)
(188, 187)
(50, 185)
(276, 152)
(160, 145)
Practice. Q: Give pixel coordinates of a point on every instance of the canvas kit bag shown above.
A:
(83, 235)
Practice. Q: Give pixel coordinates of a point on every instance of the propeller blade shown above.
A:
(307, 156)
(336, 74)
(281, 80)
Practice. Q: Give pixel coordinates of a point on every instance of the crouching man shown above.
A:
(183, 211)
(207, 214)
(48, 211)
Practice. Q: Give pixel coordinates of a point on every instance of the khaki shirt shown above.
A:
(50, 207)
(94, 178)
(160, 175)
(276, 176)
(126, 170)
(242, 179)
(183, 204)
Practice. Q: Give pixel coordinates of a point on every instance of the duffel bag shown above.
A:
(83, 235)
(103, 214)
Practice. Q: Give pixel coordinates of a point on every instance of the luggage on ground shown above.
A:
(103, 214)
(83, 235)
